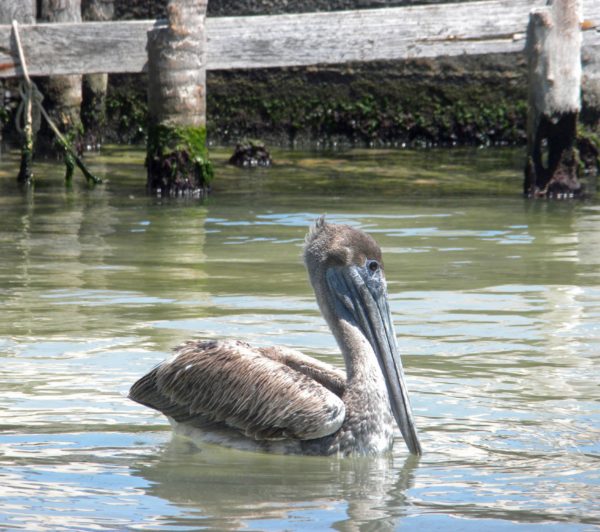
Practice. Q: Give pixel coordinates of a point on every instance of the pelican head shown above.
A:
(345, 268)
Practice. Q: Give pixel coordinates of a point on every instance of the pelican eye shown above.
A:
(373, 265)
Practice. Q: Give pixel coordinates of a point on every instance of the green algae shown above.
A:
(368, 105)
(177, 159)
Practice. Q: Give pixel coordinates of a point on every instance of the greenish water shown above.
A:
(496, 302)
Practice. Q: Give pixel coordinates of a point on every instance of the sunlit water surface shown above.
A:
(497, 307)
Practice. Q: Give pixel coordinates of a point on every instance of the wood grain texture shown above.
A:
(553, 52)
(553, 57)
(492, 26)
(176, 67)
(20, 10)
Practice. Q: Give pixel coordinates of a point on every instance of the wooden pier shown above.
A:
(177, 53)
(472, 28)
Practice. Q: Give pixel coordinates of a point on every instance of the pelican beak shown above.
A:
(361, 299)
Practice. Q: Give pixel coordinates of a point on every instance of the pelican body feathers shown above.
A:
(280, 400)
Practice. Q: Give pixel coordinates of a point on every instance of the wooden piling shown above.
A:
(25, 175)
(62, 93)
(23, 11)
(177, 157)
(93, 107)
(554, 61)
(16, 12)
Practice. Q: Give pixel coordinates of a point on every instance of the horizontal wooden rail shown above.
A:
(491, 26)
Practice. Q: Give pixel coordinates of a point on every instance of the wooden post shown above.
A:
(25, 175)
(93, 107)
(62, 93)
(23, 12)
(554, 62)
(177, 157)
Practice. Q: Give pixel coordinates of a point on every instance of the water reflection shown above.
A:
(81, 259)
(223, 488)
(496, 304)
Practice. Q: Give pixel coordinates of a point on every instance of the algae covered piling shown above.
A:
(177, 158)
(554, 60)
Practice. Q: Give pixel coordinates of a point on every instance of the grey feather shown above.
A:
(230, 384)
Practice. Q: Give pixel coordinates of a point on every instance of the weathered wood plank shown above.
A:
(492, 26)
(23, 11)
(89, 47)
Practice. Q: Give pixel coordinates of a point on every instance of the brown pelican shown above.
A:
(280, 400)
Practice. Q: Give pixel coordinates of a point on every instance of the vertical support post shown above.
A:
(177, 156)
(590, 82)
(25, 170)
(93, 107)
(25, 175)
(63, 93)
(554, 63)
(23, 12)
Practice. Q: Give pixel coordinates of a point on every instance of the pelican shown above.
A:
(277, 399)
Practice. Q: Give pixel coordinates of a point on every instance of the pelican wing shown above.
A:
(333, 379)
(212, 384)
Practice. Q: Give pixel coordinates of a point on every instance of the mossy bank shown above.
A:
(449, 101)
(377, 104)
(477, 101)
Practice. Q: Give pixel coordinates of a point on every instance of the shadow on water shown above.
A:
(226, 489)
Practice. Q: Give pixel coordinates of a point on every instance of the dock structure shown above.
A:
(471, 28)
(292, 40)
